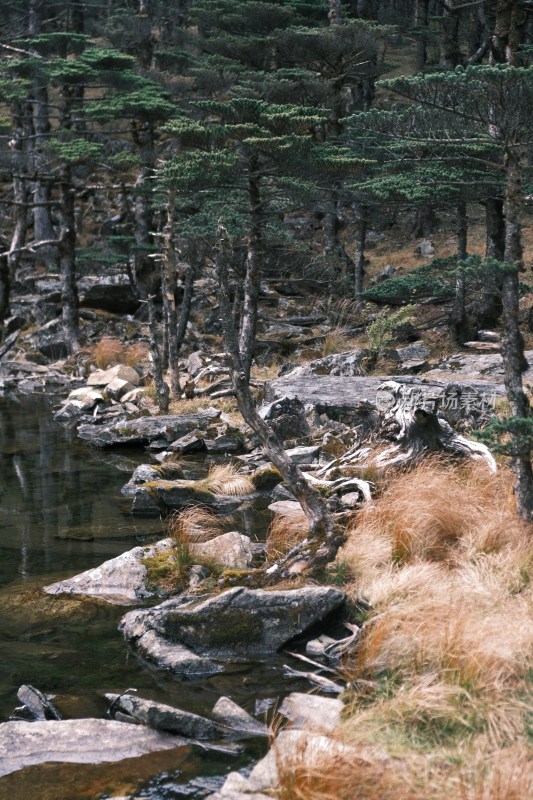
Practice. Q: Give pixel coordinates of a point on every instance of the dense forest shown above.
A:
(141, 139)
(260, 183)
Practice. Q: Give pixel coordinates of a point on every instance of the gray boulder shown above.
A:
(230, 549)
(310, 711)
(347, 364)
(143, 431)
(233, 716)
(157, 496)
(77, 741)
(286, 415)
(121, 580)
(104, 377)
(237, 623)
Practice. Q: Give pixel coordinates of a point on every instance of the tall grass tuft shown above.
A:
(227, 479)
(441, 674)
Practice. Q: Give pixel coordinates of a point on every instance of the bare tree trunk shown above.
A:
(450, 52)
(20, 188)
(67, 261)
(324, 537)
(421, 19)
(168, 274)
(459, 318)
(186, 302)
(43, 229)
(252, 280)
(143, 136)
(5, 287)
(335, 12)
(514, 362)
(161, 387)
(359, 266)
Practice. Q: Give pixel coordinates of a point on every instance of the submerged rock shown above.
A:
(234, 624)
(121, 580)
(165, 718)
(77, 741)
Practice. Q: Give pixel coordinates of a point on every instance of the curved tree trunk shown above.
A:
(324, 539)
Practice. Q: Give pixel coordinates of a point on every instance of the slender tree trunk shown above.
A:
(43, 229)
(143, 137)
(450, 52)
(186, 303)
(67, 261)
(421, 19)
(324, 538)
(359, 265)
(335, 12)
(161, 388)
(252, 280)
(5, 288)
(514, 362)
(20, 188)
(459, 318)
(168, 270)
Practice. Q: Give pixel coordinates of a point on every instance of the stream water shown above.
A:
(61, 512)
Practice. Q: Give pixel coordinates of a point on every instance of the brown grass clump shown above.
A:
(108, 352)
(441, 674)
(227, 479)
(336, 341)
(285, 531)
(435, 512)
(195, 524)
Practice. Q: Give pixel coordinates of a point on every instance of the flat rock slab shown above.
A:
(121, 580)
(237, 623)
(478, 366)
(312, 712)
(328, 392)
(144, 430)
(77, 741)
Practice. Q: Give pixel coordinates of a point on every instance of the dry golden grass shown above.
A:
(195, 524)
(227, 479)
(285, 531)
(336, 341)
(441, 674)
(108, 352)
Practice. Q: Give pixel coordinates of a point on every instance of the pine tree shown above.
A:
(494, 104)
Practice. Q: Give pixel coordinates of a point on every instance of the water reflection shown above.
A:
(61, 506)
(61, 512)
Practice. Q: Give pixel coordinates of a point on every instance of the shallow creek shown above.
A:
(61, 512)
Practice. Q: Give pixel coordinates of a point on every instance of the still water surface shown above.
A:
(61, 512)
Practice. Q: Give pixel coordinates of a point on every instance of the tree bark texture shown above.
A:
(161, 388)
(168, 275)
(252, 280)
(514, 362)
(67, 261)
(459, 317)
(324, 538)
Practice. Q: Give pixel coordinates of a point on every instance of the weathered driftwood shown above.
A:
(417, 430)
